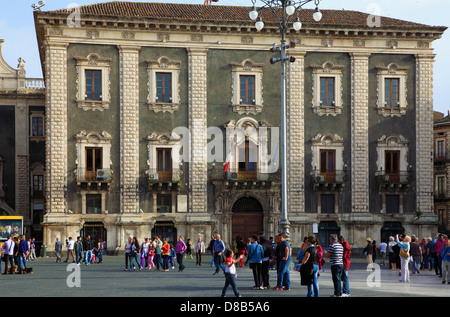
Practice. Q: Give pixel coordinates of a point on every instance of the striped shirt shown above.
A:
(337, 253)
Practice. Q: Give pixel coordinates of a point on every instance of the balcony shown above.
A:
(329, 181)
(166, 180)
(99, 179)
(243, 179)
(441, 159)
(441, 197)
(394, 181)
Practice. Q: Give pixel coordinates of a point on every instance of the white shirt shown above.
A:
(383, 247)
(70, 245)
(230, 269)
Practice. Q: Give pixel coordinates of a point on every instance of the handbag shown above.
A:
(404, 254)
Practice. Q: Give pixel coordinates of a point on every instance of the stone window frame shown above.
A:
(247, 68)
(392, 142)
(37, 114)
(93, 62)
(436, 188)
(327, 141)
(327, 69)
(163, 64)
(395, 71)
(96, 140)
(83, 194)
(319, 202)
(164, 141)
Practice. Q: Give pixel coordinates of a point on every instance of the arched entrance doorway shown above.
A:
(95, 230)
(247, 218)
(165, 229)
(326, 228)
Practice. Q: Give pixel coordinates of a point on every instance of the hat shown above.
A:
(368, 239)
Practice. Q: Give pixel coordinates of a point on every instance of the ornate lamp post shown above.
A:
(289, 8)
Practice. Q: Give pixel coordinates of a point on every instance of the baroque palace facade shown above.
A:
(139, 97)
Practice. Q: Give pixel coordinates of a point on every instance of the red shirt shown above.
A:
(346, 255)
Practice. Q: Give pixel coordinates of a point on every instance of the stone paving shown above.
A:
(108, 279)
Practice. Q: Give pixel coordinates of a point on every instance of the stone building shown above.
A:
(22, 143)
(140, 97)
(441, 139)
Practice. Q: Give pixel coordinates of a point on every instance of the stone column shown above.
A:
(22, 159)
(129, 128)
(360, 132)
(197, 104)
(295, 143)
(424, 132)
(56, 128)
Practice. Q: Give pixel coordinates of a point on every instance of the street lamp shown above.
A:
(283, 17)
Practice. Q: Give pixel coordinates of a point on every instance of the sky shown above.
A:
(18, 31)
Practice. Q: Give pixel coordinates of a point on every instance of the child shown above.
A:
(171, 256)
(230, 272)
(151, 254)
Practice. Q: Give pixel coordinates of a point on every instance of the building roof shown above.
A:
(197, 12)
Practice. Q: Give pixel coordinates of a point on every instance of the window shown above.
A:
(93, 84)
(441, 186)
(391, 94)
(327, 203)
(38, 186)
(164, 87)
(164, 203)
(440, 149)
(93, 162)
(392, 164)
(37, 126)
(327, 164)
(247, 165)
(247, 88)
(392, 204)
(164, 164)
(327, 91)
(163, 84)
(93, 204)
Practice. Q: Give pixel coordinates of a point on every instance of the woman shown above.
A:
(310, 261)
(416, 253)
(134, 254)
(320, 259)
(144, 253)
(241, 248)
(404, 257)
(179, 250)
(100, 249)
(188, 249)
(151, 255)
(165, 251)
(392, 262)
(368, 252)
(127, 252)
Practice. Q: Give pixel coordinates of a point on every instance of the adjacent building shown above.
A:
(140, 98)
(441, 139)
(22, 146)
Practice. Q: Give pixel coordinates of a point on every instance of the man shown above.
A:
(78, 248)
(88, 246)
(438, 249)
(283, 278)
(70, 250)
(335, 254)
(383, 247)
(58, 248)
(346, 266)
(255, 254)
(217, 249)
(8, 246)
(22, 255)
(445, 253)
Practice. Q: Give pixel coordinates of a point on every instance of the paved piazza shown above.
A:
(108, 279)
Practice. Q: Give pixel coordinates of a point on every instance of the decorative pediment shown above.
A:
(392, 140)
(327, 139)
(93, 137)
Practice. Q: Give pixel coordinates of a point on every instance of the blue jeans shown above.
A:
(230, 280)
(79, 256)
(136, 257)
(22, 261)
(100, 256)
(157, 260)
(314, 287)
(283, 278)
(345, 282)
(217, 262)
(87, 257)
(336, 273)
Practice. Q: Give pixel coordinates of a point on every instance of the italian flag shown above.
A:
(228, 159)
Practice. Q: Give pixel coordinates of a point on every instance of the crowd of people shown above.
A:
(82, 250)
(17, 251)
(410, 255)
